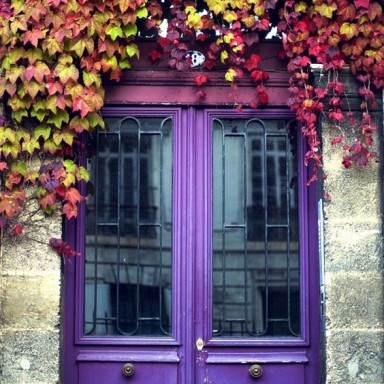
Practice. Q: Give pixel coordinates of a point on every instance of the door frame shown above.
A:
(194, 143)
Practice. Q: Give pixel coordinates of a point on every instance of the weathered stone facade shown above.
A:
(30, 284)
(353, 276)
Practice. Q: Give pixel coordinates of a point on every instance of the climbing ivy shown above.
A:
(56, 55)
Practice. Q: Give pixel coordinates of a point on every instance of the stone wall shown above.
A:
(353, 267)
(30, 281)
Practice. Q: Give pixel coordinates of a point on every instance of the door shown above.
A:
(199, 261)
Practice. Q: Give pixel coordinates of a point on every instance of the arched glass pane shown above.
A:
(255, 229)
(128, 229)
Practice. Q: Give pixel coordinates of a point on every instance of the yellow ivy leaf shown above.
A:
(217, 6)
(190, 9)
(223, 56)
(326, 10)
(259, 11)
(349, 30)
(194, 21)
(124, 5)
(249, 21)
(51, 45)
(228, 37)
(230, 75)
(300, 6)
(230, 16)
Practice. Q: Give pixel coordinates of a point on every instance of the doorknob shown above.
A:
(256, 371)
(128, 369)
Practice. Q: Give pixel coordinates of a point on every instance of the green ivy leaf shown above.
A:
(19, 114)
(7, 134)
(42, 130)
(58, 118)
(90, 78)
(19, 167)
(125, 64)
(12, 149)
(95, 120)
(31, 146)
(50, 146)
(69, 165)
(79, 45)
(132, 50)
(142, 13)
(114, 32)
(79, 124)
(130, 30)
(82, 174)
(65, 135)
(66, 72)
(40, 115)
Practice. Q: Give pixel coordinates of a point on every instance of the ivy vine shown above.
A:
(56, 55)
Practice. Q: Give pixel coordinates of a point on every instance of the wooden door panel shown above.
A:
(239, 374)
(112, 373)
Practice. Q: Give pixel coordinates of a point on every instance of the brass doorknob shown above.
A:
(256, 371)
(128, 369)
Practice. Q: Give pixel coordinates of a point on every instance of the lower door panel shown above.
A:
(269, 373)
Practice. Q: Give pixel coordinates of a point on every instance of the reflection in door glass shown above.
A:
(128, 229)
(255, 229)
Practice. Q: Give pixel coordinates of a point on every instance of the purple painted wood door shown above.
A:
(199, 253)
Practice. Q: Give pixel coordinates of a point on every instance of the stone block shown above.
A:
(30, 302)
(352, 246)
(355, 357)
(355, 300)
(30, 357)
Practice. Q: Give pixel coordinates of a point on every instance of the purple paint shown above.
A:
(175, 359)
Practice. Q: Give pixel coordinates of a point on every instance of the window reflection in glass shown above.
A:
(255, 229)
(128, 229)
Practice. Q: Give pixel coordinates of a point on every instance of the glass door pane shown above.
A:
(128, 277)
(255, 229)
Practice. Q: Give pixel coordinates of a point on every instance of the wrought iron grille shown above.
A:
(128, 229)
(255, 229)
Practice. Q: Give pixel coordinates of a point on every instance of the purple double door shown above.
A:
(199, 252)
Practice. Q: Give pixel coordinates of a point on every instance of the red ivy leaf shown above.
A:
(337, 140)
(70, 210)
(48, 200)
(17, 230)
(80, 105)
(201, 79)
(155, 55)
(62, 248)
(252, 62)
(73, 196)
(362, 3)
(336, 115)
(33, 36)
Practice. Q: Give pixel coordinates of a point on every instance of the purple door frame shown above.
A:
(284, 360)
